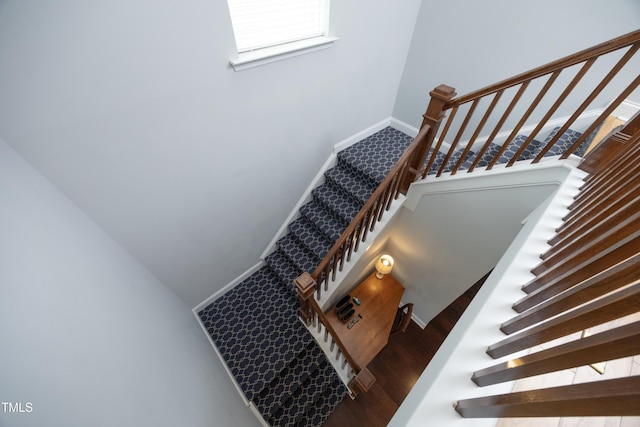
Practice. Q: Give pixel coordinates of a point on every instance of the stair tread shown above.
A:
(373, 157)
(529, 153)
(298, 254)
(333, 199)
(305, 397)
(358, 188)
(310, 237)
(323, 220)
(440, 156)
(256, 341)
(324, 406)
(289, 380)
(563, 143)
(284, 269)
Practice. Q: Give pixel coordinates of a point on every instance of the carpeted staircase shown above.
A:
(255, 326)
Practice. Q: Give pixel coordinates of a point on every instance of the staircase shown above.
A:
(255, 326)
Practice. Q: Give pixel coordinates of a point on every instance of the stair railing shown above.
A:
(588, 278)
(485, 106)
(358, 378)
(369, 215)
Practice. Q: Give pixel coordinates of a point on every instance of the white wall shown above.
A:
(132, 110)
(469, 44)
(89, 337)
(454, 230)
(448, 376)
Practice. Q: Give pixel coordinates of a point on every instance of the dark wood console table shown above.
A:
(379, 300)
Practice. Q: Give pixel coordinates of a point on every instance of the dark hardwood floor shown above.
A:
(397, 368)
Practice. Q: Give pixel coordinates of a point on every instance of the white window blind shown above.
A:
(262, 23)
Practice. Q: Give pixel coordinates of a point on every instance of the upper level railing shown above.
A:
(502, 113)
(589, 278)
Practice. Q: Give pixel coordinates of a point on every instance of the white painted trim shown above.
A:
(526, 130)
(224, 364)
(353, 139)
(502, 135)
(319, 178)
(258, 415)
(626, 110)
(549, 170)
(227, 288)
(404, 127)
(305, 198)
(258, 57)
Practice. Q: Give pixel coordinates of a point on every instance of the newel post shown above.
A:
(362, 382)
(305, 286)
(432, 117)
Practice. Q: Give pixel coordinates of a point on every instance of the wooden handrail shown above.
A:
(587, 278)
(560, 64)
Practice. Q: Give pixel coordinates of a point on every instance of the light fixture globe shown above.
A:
(384, 265)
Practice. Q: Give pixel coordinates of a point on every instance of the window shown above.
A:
(269, 30)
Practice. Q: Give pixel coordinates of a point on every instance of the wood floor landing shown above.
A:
(398, 367)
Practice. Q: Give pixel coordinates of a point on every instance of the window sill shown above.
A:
(268, 55)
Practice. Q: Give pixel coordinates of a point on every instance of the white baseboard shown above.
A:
(346, 143)
(404, 127)
(227, 288)
(224, 364)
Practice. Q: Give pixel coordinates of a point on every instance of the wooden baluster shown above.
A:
(620, 226)
(595, 229)
(524, 118)
(617, 397)
(576, 228)
(456, 139)
(476, 133)
(608, 111)
(587, 265)
(609, 307)
(610, 189)
(609, 280)
(431, 118)
(565, 93)
(498, 127)
(608, 345)
(441, 138)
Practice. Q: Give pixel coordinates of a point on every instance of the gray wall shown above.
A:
(89, 337)
(469, 44)
(132, 110)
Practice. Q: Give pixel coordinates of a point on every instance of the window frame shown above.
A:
(276, 52)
